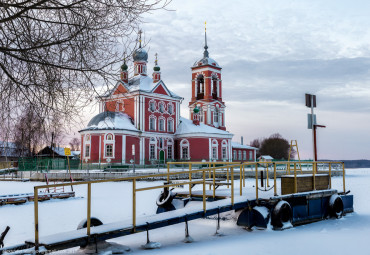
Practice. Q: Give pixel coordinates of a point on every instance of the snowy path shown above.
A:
(348, 235)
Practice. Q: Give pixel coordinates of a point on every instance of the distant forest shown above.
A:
(358, 163)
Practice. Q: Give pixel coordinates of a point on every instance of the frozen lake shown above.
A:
(112, 202)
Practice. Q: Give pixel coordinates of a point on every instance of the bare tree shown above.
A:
(54, 53)
(75, 144)
(276, 146)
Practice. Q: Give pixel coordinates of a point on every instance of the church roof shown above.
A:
(188, 127)
(242, 146)
(140, 83)
(110, 121)
(206, 61)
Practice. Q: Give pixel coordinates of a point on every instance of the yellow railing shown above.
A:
(212, 171)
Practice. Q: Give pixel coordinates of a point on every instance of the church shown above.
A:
(139, 120)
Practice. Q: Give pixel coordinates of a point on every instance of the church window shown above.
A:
(169, 151)
(224, 153)
(244, 155)
(224, 149)
(215, 115)
(152, 106)
(152, 152)
(201, 114)
(200, 87)
(109, 137)
(161, 125)
(184, 149)
(87, 150)
(234, 155)
(152, 123)
(214, 149)
(240, 155)
(170, 125)
(250, 155)
(109, 150)
(161, 143)
(214, 87)
(161, 107)
(170, 109)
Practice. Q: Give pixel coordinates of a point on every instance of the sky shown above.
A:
(271, 54)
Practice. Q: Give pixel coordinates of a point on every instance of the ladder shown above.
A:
(294, 143)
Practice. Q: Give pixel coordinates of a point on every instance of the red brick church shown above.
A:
(140, 119)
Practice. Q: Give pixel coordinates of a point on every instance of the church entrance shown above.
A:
(161, 156)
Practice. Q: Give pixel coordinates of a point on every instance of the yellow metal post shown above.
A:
(295, 178)
(243, 175)
(329, 175)
(275, 193)
(168, 171)
(134, 204)
(257, 183)
(314, 166)
(214, 183)
(241, 181)
(227, 176)
(204, 191)
(36, 214)
(344, 178)
(190, 180)
(232, 185)
(88, 209)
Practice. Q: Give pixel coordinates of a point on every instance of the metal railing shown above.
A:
(211, 169)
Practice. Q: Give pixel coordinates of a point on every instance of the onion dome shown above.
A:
(140, 55)
(124, 67)
(196, 109)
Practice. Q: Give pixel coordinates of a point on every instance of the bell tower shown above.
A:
(207, 90)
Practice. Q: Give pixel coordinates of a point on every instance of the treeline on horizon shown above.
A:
(356, 163)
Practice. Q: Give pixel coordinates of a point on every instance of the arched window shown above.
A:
(170, 125)
(109, 146)
(184, 149)
(119, 106)
(214, 87)
(161, 107)
(161, 124)
(153, 148)
(224, 150)
(214, 150)
(216, 116)
(170, 148)
(87, 146)
(152, 105)
(152, 123)
(201, 114)
(170, 109)
(200, 87)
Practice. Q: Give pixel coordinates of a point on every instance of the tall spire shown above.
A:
(205, 54)
(140, 32)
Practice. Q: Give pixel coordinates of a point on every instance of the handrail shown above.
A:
(212, 172)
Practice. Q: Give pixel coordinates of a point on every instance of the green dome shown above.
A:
(196, 109)
(124, 67)
(157, 68)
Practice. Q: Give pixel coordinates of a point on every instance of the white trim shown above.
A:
(184, 143)
(210, 149)
(123, 149)
(99, 148)
(109, 142)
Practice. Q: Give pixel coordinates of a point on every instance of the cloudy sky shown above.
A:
(272, 53)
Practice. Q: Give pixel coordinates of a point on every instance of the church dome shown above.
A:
(140, 55)
(109, 121)
(206, 61)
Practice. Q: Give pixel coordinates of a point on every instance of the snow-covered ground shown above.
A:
(112, 202)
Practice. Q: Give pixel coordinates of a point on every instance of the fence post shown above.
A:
(88, 209)
(36, 215)
(232, 185)
(190, 179)
(204, 191)
(134, 204)
(256, 164)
